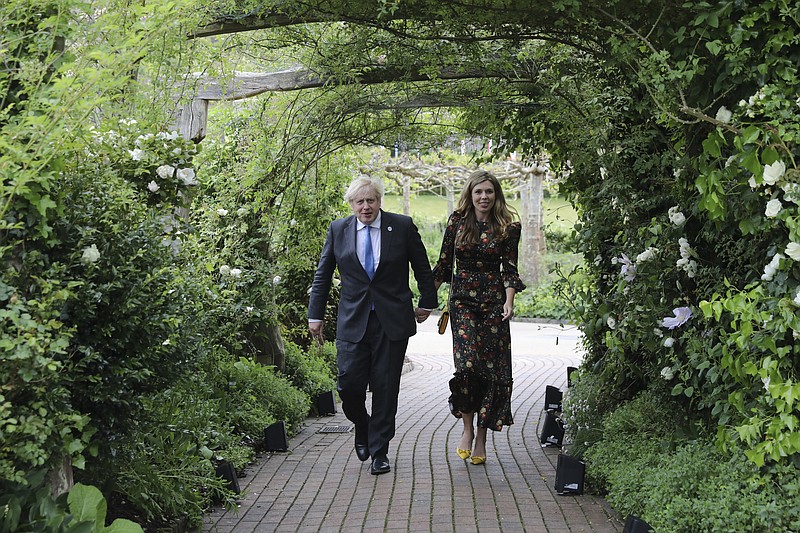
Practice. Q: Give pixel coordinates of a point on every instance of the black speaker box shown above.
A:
(275, 439)
(569, 475)
(227, 472)
(634, 524)
(326, 403)
(552, 433)
(570, 370)
(552, 398)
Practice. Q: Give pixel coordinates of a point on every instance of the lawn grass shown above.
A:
(559, 216)
(541, 300)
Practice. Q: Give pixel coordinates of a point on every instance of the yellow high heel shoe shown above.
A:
(478, 460)
(464, 454)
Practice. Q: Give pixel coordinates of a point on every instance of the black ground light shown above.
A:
(552, 398)
(569, 475)
(227, 472)
(570, 370)
(552, 430)
(634, 524)
(275, 439)
(326, 403)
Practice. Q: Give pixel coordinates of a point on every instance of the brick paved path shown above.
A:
(320, 485)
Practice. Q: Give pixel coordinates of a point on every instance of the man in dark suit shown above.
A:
(372, 250)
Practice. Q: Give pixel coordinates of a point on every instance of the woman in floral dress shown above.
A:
(483, 234)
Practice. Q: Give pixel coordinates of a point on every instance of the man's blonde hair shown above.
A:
(362, 182)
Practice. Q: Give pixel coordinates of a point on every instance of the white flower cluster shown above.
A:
(628, 269)
(225, 270)
(752, 102)
(647, 255)
(90, 255)
(667, 373)
(724, 114)
(772, 268)
(676, 216)
(686, 263)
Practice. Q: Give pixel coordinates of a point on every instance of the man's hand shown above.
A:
(421, 314)
(316, 331)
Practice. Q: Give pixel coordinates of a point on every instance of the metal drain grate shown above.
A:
(335, 429)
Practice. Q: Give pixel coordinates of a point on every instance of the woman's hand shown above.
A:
(508, 310)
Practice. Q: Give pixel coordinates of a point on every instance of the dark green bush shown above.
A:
(310, 372)
(649, 464)
(258, 395)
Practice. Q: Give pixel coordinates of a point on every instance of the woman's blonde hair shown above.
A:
(500, 216)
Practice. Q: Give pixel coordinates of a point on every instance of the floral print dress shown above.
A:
(481, 339)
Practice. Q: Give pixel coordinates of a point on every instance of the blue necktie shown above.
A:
(369, 262)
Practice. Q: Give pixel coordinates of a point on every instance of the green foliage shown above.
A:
(313, 372)
(30, 507)
(258, 396)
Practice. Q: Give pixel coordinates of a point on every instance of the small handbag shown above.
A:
(445, 318)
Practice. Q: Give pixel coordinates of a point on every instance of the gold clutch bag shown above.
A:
(443, 320)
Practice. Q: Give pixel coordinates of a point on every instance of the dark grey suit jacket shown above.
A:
(401, 246)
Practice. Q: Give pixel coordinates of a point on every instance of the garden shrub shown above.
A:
(697, 489)
(310, 372)
(164, 471)
(29, 506)
(257, 396)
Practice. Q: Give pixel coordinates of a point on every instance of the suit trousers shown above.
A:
(378, 362)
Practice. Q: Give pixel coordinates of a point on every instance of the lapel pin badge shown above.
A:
(389, 228)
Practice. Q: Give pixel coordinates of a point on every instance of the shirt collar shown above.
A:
(376, 224)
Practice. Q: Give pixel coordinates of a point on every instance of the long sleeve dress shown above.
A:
(481, 339)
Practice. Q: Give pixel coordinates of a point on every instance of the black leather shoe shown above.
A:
(362, 451)
(380, 465)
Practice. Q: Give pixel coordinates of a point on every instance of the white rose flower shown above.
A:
(646, 255)
(276, 280)
(669, 342)
(667, 373)
(772, 267)
(165, 171)
(225, 270)
(136, 154)
(236, 272)
(222, 212)
(611, 322)
(187, 176)
(675, 215)
(793, 251)
(248, 309)
(177, 151)
(691, 268)
(724, 115)
(797, 297)
(774, 207)
(153, 186)
(292, 223)
(90, 254)
(774, 172)
(752, 182)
